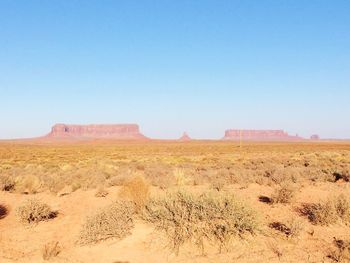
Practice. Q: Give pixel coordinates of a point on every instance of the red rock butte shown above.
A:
(101, 131)
(259, 135)
(185, 137)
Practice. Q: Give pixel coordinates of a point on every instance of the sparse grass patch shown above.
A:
(34, 211)
(113, 221)
(181, 178)
(275, 247)
(51, 250)
(210, 217)
(218, 185)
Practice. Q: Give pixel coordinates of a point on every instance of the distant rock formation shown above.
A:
(259, 135)
(314, 137)
(185, 137)
(102, 131)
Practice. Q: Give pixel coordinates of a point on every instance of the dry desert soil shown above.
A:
(293, 199)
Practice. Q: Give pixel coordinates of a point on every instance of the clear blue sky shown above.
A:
(174, 66)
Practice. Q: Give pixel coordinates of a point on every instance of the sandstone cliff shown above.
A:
(259, 135)
(102, 131)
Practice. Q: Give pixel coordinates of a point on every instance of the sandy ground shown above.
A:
(20, 243)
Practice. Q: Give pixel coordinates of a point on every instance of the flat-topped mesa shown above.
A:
(101, 131)
(260, 135)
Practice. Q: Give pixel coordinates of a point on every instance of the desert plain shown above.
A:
(168, 201)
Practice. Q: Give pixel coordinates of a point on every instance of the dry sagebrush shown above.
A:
(329, 211)
(342, 252)
(342, 207)
(214, 218)
(113, 221)
(7, 183)
(136, 189)
(284, 194)
(34, 211)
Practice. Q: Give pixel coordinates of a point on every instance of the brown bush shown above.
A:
(51, 250)
(184, 217)
(7, 183)
(284, 194)
(291, 229)
(284, 175)
(113, 221)
(343, 175)
(321, 213)
(34, 211)
(136, 189)
(342, 252)
(342, 207)
(3, 211)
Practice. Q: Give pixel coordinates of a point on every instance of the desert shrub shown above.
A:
(184, 217)
(7, 183)
(342, 252)
(113, 221)
(29, 184)
(136, 189)
(34, 211)
(218, 185)
(323, 213)
(290, 229)
(329, 211)
(3, 211)
(117, 180)
(51, 250)
(342, 207)
(296, 226)
(181, 178)
(277, 175)
(283, 194)
(52, 183)
(275, 248)
(93, 180)
(163, 181)
(101, 192)
(343, 175)
(260, 180)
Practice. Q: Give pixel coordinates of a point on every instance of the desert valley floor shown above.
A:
(290, 202)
